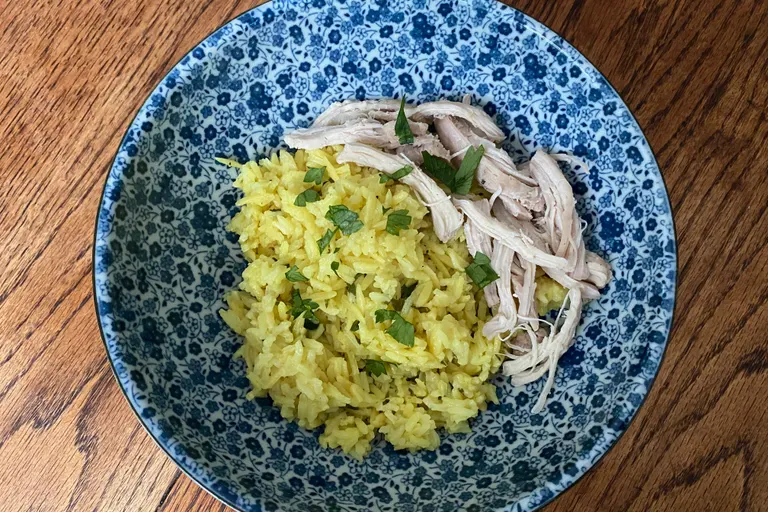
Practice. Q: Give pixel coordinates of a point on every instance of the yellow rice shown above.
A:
(318, 378)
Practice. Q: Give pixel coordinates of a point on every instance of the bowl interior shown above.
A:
(163, 259)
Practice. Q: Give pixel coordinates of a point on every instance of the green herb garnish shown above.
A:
(335, 267)
(480, 270)
(294, 276)
(345, 219)
(466, 174)
(400, 329)
(398, 174)
(385, 209)
(308, 196)
(402, 128)
(355, 326)
(326, 240)
(374, 367)
(304, 307)
(314, 174)
(397, 220)
(440, 169)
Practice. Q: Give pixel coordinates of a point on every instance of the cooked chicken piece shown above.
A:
(513, 238)
(588, 291)
(506, 317)
(343, 111)
(445, 218)
(361, 131)
(561, 222)
(387, 110)
(501, 158)
(429, 143)
(527, 228)
(492, 173)
(478, 241)
(599, 270)
(526, 294)
(475, 116)
(543, 358)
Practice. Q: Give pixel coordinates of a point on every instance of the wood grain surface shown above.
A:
(74, 73)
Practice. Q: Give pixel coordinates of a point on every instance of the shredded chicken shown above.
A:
(361, 131)
(525, 292)
(529, 223)
(506, 317)
(445, 218)
(512, 238)
(386, 110)
(543, 357)
(343, 111)
(493, 177)
(479, 241)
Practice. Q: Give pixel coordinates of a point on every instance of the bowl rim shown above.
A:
(195, 478)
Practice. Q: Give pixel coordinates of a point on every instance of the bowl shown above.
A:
(163, 258)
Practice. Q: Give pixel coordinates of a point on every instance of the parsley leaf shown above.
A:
(304, 307)
(397, 220)
(439, 169)
(398, 174)
(480, 270)
(294, 276)
(345, 219)
(314, 174)
(335, 267)
(355, 326)
(374, 367)
(466, 173)
(308, 196)
(326, 240)
(402, 128)
(400, 329)
(385, 209)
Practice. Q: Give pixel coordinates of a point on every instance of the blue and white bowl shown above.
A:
(163, 258)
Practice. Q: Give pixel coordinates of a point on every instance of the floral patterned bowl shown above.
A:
(163, 258)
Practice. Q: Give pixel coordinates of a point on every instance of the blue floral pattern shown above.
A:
(163, 259)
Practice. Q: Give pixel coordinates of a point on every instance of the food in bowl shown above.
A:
(395, 260)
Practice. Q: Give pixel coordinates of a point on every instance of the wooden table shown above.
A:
(695, 74)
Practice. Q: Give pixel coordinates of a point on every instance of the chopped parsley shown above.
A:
(480, 270)
(397, 220)
(402, 128)
(344, 219)
(459, 182)
(375, 368)
(385, 209)
(466, 173)
(308, 196)
(324, 242)
(335, 267)
(355, 326)
(294, 276)
(314, 174)
(440, 169)
(398, 174)
(304, 307)
(400, 329)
